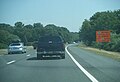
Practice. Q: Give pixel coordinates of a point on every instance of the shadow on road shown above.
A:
(33, 58)
(44, 58)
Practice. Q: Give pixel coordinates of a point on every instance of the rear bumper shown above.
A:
(16, 50)
(51, 53)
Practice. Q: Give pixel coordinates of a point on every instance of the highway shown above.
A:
(84, 67)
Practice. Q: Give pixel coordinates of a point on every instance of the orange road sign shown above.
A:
(102, 36)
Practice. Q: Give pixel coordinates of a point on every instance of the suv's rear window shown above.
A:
(50, 38)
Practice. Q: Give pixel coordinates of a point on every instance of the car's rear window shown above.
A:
(15, 44)
(50, 39)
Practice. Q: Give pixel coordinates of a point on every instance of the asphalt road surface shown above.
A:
(85, 67)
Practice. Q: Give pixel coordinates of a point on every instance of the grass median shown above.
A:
(110, 54)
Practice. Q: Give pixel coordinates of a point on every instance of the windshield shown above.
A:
(15, 44)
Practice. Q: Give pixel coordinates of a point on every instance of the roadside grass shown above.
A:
(110, 54)
(3, 51)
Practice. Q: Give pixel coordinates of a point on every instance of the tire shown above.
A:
(10, 52)
(24, 51)
(63, 57)
(21, 52)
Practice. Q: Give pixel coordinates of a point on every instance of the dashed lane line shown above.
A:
(28, 55)
(11, 62)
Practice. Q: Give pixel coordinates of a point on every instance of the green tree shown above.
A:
(30, 33)
(28, 26)
(19, 25)
(109, 20)
(6, 38)
(6, 27)
(37, 25)
(75, 36)
(51, 29)
(87, 32)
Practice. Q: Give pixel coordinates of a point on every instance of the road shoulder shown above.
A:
(109, 54)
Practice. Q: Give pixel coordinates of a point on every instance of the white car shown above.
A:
(16, 48)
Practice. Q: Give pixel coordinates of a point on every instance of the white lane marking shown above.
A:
(11, 62)
(93, 79)
(28, 55)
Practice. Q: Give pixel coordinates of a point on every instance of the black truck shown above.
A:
(50, 46)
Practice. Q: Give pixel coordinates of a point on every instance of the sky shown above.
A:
(64, 13)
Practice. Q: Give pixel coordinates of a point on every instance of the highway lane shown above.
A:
(4, 59)
(29, 69)
(102, 68)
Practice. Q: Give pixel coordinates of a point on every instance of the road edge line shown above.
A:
(93, 79)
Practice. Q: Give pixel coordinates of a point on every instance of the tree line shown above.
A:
(107, 20)
(31, 33)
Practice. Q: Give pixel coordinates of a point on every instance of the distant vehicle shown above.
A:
(50, 46)
(16, 48)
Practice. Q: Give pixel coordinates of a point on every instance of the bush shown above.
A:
(29, 44)
(3, 46)
(108, 46)
(97, 45)
(116, 46)
(6, 37)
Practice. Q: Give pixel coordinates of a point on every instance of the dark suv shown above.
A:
(50, 46)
